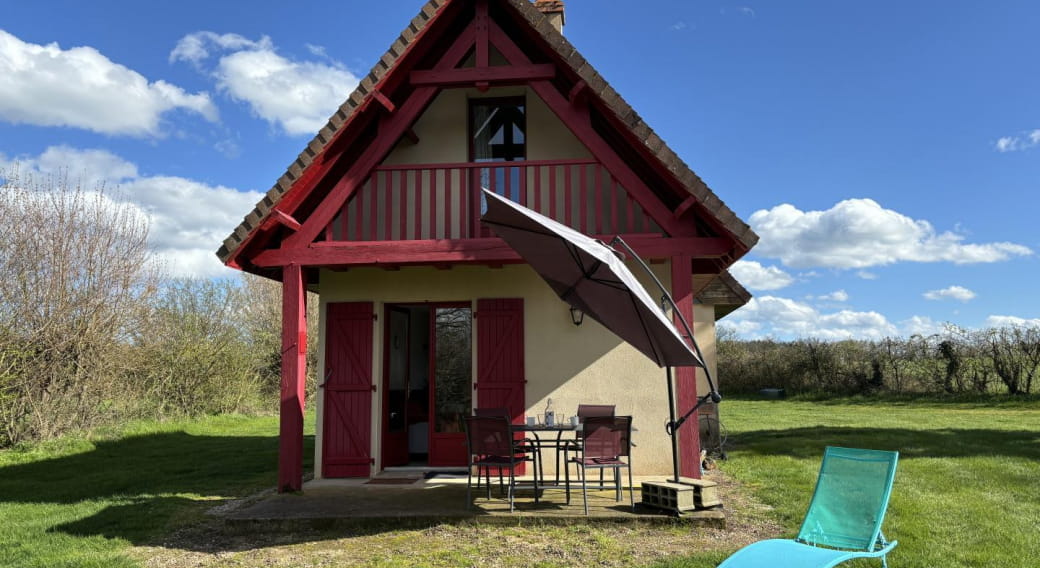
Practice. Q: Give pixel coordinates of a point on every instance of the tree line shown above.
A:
(1004, 360)
(94, 332)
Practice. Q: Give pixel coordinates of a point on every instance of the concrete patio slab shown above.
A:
(409, 497)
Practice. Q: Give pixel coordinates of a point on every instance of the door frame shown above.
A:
(388, 310)
(432, 436)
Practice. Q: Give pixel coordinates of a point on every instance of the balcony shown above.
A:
(443, 201)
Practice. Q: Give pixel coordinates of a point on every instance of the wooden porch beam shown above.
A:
(485, 250)
(294, 375)
(499, 75)
(411, 136)
(686, 377)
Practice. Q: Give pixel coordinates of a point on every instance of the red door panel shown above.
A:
(347, 425)
(500, 357)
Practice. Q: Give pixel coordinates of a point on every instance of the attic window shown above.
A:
(497, 130)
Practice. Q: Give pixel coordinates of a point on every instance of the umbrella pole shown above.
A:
(672, 432)
(675, 310)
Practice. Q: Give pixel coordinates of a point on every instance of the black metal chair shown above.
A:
(584, 411)
(606, 440)
(491, 445)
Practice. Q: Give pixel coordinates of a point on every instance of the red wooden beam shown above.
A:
(381, 99)
(499, 75)
(579, 93)
(480, 22)
(390, 132)
(685, 377)
(294, 374)
(285, 219)
(684, 207)
(484, 250)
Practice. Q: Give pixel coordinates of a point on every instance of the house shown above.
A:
(425, 314)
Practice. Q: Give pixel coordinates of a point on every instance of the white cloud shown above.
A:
(46, 85)
(192, 47)
(1011, 321)
(679, 26)
(189, 219)
(757, 277)
(747, 11)
(787, 319)
(297, 96)
(921, 325)
(859, 233)
(835, 296)
(1017, 143)
(866, 275)
(951, 293)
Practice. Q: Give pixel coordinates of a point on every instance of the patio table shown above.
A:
(556, 444)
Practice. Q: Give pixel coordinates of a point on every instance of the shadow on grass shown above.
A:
(945, 443)
(149, 483)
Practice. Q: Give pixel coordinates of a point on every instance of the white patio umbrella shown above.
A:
(591, 276)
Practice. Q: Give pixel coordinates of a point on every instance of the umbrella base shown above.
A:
(687, 495)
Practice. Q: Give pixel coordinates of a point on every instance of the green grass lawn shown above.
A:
(78, 502)
(967, 489)
(967, 492)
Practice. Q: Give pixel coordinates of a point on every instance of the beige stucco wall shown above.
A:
(442, 130)
(572, 364)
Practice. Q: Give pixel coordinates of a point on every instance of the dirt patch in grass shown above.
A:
(211, 544)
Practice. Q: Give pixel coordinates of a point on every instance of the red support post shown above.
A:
(294, 375)
(686, 377)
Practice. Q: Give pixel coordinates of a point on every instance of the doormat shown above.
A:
(391, 481)
(445, 474)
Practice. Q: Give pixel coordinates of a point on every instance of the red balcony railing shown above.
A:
(443, 201)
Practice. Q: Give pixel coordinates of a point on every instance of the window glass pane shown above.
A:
(453, 388)
(498, 130)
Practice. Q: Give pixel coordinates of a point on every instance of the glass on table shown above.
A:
(531, 421)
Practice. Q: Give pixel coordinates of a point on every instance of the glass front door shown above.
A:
(452, 372)
(428, 384)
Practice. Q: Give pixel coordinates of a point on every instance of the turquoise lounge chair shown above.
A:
(844, 518)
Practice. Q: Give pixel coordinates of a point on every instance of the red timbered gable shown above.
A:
(344, 203)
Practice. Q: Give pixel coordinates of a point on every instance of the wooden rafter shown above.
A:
(500, 75)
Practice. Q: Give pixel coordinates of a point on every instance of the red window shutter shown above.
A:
(347, 424)
(500, 356)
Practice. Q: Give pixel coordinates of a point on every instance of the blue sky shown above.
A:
(888, 153)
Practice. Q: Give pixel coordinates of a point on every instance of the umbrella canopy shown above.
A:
(590, 276)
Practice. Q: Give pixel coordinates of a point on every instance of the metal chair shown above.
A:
(584, 411)
(490, 444)
(496, 411)
(606, 440)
